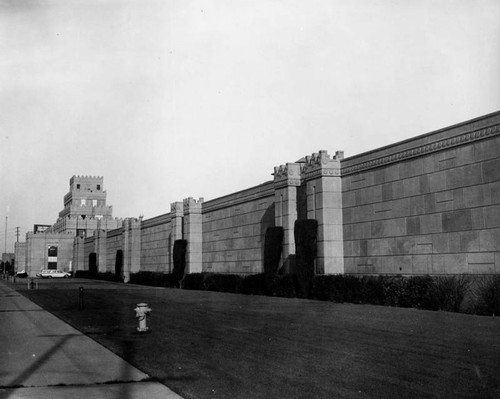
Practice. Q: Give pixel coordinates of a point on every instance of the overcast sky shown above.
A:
(172, 99)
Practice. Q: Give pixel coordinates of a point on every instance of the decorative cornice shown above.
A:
(287, 175)
(190, 205)
(256, 193)
(157, 220)
(177, 208)
(321, 164)
(430, 148)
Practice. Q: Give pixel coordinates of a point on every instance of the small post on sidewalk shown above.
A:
(81, 302)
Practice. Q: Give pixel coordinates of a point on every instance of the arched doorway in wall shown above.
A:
(93, 264)
(119, 265)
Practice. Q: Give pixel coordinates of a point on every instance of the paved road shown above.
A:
(43, 357)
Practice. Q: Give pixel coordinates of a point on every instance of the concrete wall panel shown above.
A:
(438, 200)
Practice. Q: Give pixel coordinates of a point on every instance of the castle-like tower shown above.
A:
(85, 208)
(86, 199)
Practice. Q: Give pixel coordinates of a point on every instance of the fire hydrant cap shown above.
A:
(142, 305)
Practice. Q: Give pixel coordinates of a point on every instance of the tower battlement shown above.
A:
(86, 183)
(86, 198)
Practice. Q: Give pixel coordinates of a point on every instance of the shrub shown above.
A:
(372, 290)
(223, 282)
(328, 288)
(283, 286)
(491, 296)
(254, 284)
(393, 290)
(273, 243)
(82, 274)
(322, 288)
(153, 279)
(486, 296)
(338, 288)
(376, 290)
(194, 281)
(408, 292)
(352, 287)
(179, 257)
(417, 292)
(142, 278)
(164, 280)
(447, 293)
(107, 276)
(305, 232)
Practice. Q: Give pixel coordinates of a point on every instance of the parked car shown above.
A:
(22, 274)
(53, 274)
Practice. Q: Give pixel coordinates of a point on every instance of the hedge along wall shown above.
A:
(306, 241)
(428, 205)
(233, 230)
(156, 244)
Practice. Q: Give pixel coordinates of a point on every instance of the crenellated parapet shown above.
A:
(190, 205)
(82, 177)
(287, 175)
(321, 164)
(131, 223)
(177, 208)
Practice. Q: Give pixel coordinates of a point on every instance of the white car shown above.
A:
(51, 273)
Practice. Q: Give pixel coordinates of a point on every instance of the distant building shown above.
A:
(7, 257)
(52, 247)
(40, 228)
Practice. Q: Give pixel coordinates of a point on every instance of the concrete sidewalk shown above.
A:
(43, 357)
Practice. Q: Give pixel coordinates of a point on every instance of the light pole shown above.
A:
(5, 245)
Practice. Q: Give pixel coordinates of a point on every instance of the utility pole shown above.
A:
(5, 245)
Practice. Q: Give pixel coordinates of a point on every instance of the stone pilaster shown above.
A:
(131, 247)
(324, 203)
(100, 248)
(193, 234)
(176, 208)
(79, 254)
(286, 179)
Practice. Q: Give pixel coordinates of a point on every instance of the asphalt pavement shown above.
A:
(43, 357)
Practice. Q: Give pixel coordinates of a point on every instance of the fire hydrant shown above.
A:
(141, 311)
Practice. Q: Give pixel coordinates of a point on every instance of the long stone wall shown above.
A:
(156, 244)
(233, 230)
(430, 205)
